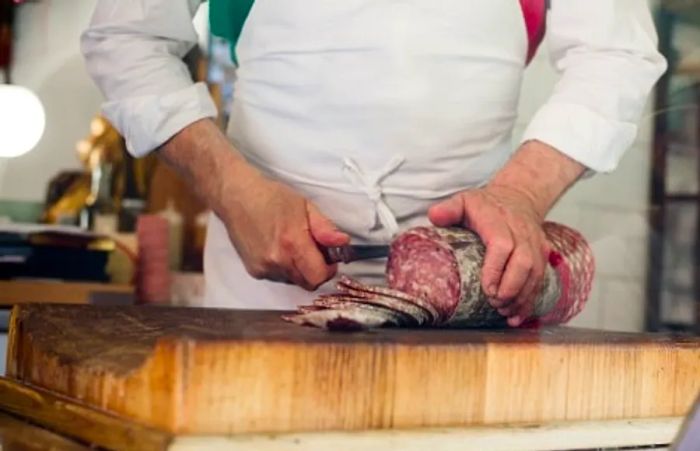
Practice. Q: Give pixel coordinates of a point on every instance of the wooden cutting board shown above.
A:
(196, 371)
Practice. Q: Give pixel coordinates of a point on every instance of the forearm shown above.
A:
(541, 173)
(203, 155)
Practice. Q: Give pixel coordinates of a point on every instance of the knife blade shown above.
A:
(356, 252)
(353, 253)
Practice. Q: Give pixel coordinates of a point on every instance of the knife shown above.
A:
(353, 253)
(356, 252)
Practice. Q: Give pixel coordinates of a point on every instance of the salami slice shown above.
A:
(418, 314)
(348, 284)
(357, 318)
(341, 302)
(422, 264)
(309, 308)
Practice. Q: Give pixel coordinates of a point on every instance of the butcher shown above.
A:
(354, 120)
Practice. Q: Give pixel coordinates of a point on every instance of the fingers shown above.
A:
(303, 247)
(293, 258)
(524, 304)
(447, 213)
(311, 265)
(499, 243)
(292, 275)
(323, 231)
(521, 283)
(510, 305)
(277, 266)
(517, 272)
(277, 236)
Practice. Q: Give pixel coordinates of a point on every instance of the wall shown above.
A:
(48, 61)
(611, 212)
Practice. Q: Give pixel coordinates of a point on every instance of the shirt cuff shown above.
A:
(582, 134)
(147, 122)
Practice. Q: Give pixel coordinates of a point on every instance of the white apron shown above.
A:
(372, 109)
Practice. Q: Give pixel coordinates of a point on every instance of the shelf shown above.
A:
(59, 292)
(682, 197)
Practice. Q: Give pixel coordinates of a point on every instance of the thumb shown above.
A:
(447, 213)
(323, 231)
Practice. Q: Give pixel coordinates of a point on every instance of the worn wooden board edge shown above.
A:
(72, 419)
(51, 378)
(17, 434)
(604, 393)
(75, 420)
(175, 413)
(626, 434)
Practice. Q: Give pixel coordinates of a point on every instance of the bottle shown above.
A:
(175, 226)
(104, 209)
(133, 203)
(196, 263)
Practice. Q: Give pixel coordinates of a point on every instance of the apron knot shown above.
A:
(370, 184)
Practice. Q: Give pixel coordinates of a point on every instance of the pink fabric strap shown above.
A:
(535, 14)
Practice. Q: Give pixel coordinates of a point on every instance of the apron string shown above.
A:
(370, 184)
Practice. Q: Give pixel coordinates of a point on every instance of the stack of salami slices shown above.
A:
(434, 278)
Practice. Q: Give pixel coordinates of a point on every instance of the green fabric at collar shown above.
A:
(226, 19)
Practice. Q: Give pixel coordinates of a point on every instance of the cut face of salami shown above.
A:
(434, 278)
(422, 264)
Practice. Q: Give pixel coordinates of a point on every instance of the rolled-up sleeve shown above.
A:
(606, 52)
(133, 50)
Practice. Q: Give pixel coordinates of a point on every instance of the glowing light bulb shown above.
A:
(22, 120)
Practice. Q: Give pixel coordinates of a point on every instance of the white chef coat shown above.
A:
(375, 109)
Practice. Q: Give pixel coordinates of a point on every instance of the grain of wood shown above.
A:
(17, 435)
(73, 419)
(199, 371)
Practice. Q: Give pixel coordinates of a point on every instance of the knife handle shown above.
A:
(333, 255)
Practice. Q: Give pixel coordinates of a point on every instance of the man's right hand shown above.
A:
(277, 233)
(275, 230)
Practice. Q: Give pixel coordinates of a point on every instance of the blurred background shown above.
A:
(66, 166)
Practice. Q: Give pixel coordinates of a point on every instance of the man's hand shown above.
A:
(508, 214)
(516, 247)
(276, 233)
(275, 230)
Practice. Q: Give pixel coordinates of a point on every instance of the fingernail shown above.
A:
(492, 290)
(515, 321)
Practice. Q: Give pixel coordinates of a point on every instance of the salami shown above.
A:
(444, 267)
(434, 279)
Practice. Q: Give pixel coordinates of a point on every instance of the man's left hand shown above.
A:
(516, 247)
(508, 214)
